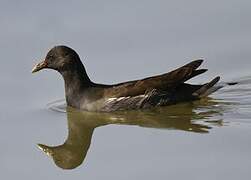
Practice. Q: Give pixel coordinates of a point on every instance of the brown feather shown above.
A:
(162, 82)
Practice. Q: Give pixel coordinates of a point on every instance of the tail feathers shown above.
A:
(208, 88)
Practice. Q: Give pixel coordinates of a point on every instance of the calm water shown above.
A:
(119, 41)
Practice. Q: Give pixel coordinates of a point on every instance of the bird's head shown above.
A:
(59, 58)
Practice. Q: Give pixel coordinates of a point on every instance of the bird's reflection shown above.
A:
(194, 117)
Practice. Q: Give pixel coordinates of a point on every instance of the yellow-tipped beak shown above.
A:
(39, 66)
(45, 148)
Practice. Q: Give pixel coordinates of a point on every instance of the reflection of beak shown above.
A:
(39, 66)
(46, 149)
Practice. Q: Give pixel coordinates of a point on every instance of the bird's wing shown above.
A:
(163, 82)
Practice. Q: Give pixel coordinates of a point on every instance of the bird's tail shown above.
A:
(207, 88)
(211, 87)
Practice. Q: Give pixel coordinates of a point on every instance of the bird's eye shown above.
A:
(49, 57)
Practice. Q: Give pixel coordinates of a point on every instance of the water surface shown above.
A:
(195, 117)
(120, 41)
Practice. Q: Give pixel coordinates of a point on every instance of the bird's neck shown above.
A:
(76, 81)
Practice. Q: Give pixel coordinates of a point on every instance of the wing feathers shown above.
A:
(167, 81)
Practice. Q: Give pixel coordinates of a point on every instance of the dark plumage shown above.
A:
(161, 90)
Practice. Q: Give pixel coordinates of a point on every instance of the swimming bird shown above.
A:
(161, 90)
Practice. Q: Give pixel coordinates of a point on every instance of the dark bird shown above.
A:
(162, 90)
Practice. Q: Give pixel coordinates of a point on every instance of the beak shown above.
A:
(39, 66)
(46, 149)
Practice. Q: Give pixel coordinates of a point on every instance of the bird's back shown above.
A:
(159, 90)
